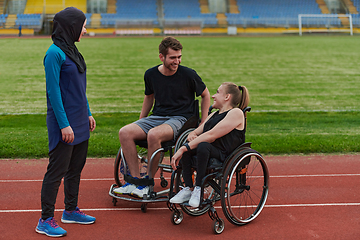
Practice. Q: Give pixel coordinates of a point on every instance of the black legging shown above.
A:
(203, 152)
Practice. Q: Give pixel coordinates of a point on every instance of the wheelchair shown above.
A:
(240, 183)
(121, 171)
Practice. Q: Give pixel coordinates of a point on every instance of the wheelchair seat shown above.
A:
(215, 164)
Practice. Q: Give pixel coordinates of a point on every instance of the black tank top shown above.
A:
(229, 142)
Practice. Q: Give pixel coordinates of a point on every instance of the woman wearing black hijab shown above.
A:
(69, 121)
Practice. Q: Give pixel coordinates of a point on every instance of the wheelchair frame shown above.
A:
(120, 167)
(241, 183)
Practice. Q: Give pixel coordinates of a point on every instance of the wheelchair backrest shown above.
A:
(193, 121)
(245, 110)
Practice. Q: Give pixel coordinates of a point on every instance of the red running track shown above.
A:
(310, 197)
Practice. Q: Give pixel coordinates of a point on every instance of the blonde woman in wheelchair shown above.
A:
(222, 132)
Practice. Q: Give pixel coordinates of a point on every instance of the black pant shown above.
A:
(65, 161)
(203, 153)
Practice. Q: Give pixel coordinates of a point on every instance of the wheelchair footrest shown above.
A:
(139, 182)
(157, 197)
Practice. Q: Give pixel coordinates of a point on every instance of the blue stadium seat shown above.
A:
(136, 9)
(88, 18)
(356, 17)
(131, 10)
(187, 9)
(276, 13)
(2, 19)
(28, 20)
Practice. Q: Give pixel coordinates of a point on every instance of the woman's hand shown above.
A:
(177, 156)
(67, 134)
(92, 123)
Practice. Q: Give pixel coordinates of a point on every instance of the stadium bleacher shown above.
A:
(143, 10)
(29, 20)
(88, 18)
(136, 9)
(187, 9)
(163, 13)
(356, 17)
(34, 6)
(52, 6)
(275, 13)
(2, 20)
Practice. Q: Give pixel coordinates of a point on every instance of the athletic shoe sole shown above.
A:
(179, 202)
(49, 235)
(73, 221)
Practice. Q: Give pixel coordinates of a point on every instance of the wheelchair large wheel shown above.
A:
(182, 139)
(120, 167)
(245, 187)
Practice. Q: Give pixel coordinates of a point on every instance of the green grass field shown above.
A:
(304, 90)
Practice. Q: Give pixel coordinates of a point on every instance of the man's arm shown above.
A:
(205, 104)
(147, 105)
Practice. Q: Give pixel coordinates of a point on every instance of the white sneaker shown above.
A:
(127, 188)
(140, 191)
(182, 196)
(195, 197)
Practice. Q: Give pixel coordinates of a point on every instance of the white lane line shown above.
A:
(318, 175)
(40, 180)
(313, 205)
(165, 208)
(277, 176)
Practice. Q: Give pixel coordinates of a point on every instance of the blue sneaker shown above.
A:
(50, 228)
(77, 216)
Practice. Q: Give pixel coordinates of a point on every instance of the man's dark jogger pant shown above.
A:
(65, 161)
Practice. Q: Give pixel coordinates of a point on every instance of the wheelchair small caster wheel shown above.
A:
(177, 217)
(218, 226)
(114, 201)
(144, 207)
(164, 183)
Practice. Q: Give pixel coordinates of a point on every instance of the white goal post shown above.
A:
(301, 16)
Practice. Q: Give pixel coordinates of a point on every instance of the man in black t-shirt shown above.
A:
(170, 89)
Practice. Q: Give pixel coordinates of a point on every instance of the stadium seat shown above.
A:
(131, 10)
(29, 20)
(276, 13)
(2, 19)
(187, 9)
(356, 17)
